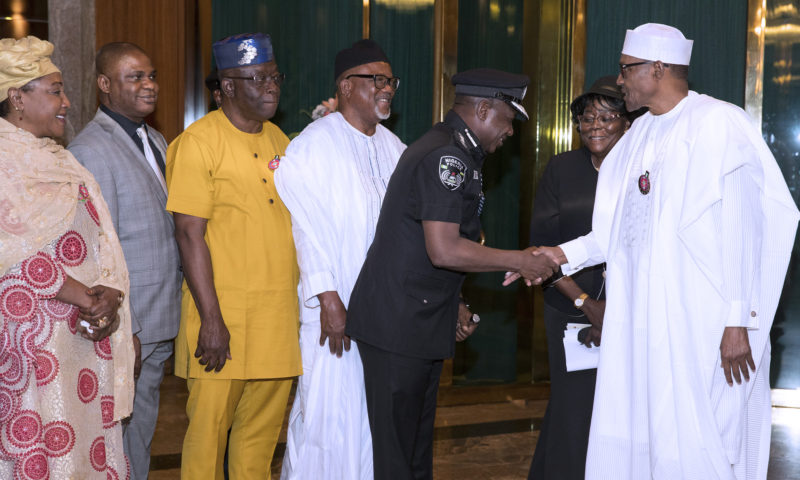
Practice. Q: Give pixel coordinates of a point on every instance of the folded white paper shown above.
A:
(578, 356)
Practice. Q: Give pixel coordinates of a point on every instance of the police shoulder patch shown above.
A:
(451, 172)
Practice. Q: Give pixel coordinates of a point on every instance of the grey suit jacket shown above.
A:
(146, 230)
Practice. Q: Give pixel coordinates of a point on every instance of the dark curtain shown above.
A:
(405, 32)
(306, 34)
(490, 35)
(718, 28)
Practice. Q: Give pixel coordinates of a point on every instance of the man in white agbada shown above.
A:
(696, 225)
(332, 180)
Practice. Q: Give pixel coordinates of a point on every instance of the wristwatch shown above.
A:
(579, 301)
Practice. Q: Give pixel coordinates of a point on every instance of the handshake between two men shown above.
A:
(537, 265)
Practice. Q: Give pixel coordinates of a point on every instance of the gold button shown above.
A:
(106, 273)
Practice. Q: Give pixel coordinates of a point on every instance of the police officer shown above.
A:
(404, 305)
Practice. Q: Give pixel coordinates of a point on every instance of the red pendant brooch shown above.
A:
(644, 183)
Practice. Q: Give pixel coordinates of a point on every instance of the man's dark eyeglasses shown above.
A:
(380, 80)
(624, 66)
(261, 79)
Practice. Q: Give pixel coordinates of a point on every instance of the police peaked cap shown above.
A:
(490, 83)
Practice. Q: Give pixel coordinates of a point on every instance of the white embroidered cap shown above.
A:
(654, 41)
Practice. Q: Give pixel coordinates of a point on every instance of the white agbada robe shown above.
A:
(332, 179)
(707, 248)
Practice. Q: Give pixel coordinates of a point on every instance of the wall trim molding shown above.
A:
(754, 68)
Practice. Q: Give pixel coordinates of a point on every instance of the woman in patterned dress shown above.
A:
(66, 354)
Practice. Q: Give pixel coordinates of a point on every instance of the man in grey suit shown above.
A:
(127, 158)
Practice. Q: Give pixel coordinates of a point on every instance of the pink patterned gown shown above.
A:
(56, 388)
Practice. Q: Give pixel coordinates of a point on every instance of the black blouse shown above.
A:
(563, 211)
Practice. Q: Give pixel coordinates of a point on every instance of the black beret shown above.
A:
(490, 83)
(606, 86)
(363, 51)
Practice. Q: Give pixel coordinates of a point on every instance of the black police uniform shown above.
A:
(403, 310)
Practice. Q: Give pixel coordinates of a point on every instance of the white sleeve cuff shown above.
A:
(576, 254)
(314, 284)
(741, 316)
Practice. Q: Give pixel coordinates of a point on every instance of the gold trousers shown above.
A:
(253, 410)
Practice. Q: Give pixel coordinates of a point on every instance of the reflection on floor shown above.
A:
(481, 441)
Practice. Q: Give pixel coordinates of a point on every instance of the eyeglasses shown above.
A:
(261, 79)
(625, 66)
(380, 80)
(604, 120)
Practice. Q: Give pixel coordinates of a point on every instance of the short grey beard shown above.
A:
(382, 116)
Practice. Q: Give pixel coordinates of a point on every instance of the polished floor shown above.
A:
(491, 440)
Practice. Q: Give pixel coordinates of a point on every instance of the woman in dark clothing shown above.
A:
(563, 211)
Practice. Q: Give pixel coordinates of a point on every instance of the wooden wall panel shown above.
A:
(163, 29)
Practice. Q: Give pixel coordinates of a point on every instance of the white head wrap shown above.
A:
(654, 41)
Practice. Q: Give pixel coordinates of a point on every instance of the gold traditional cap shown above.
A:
(23, 60)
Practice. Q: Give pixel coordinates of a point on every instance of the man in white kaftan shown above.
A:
(333, 179)
(696, 225)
